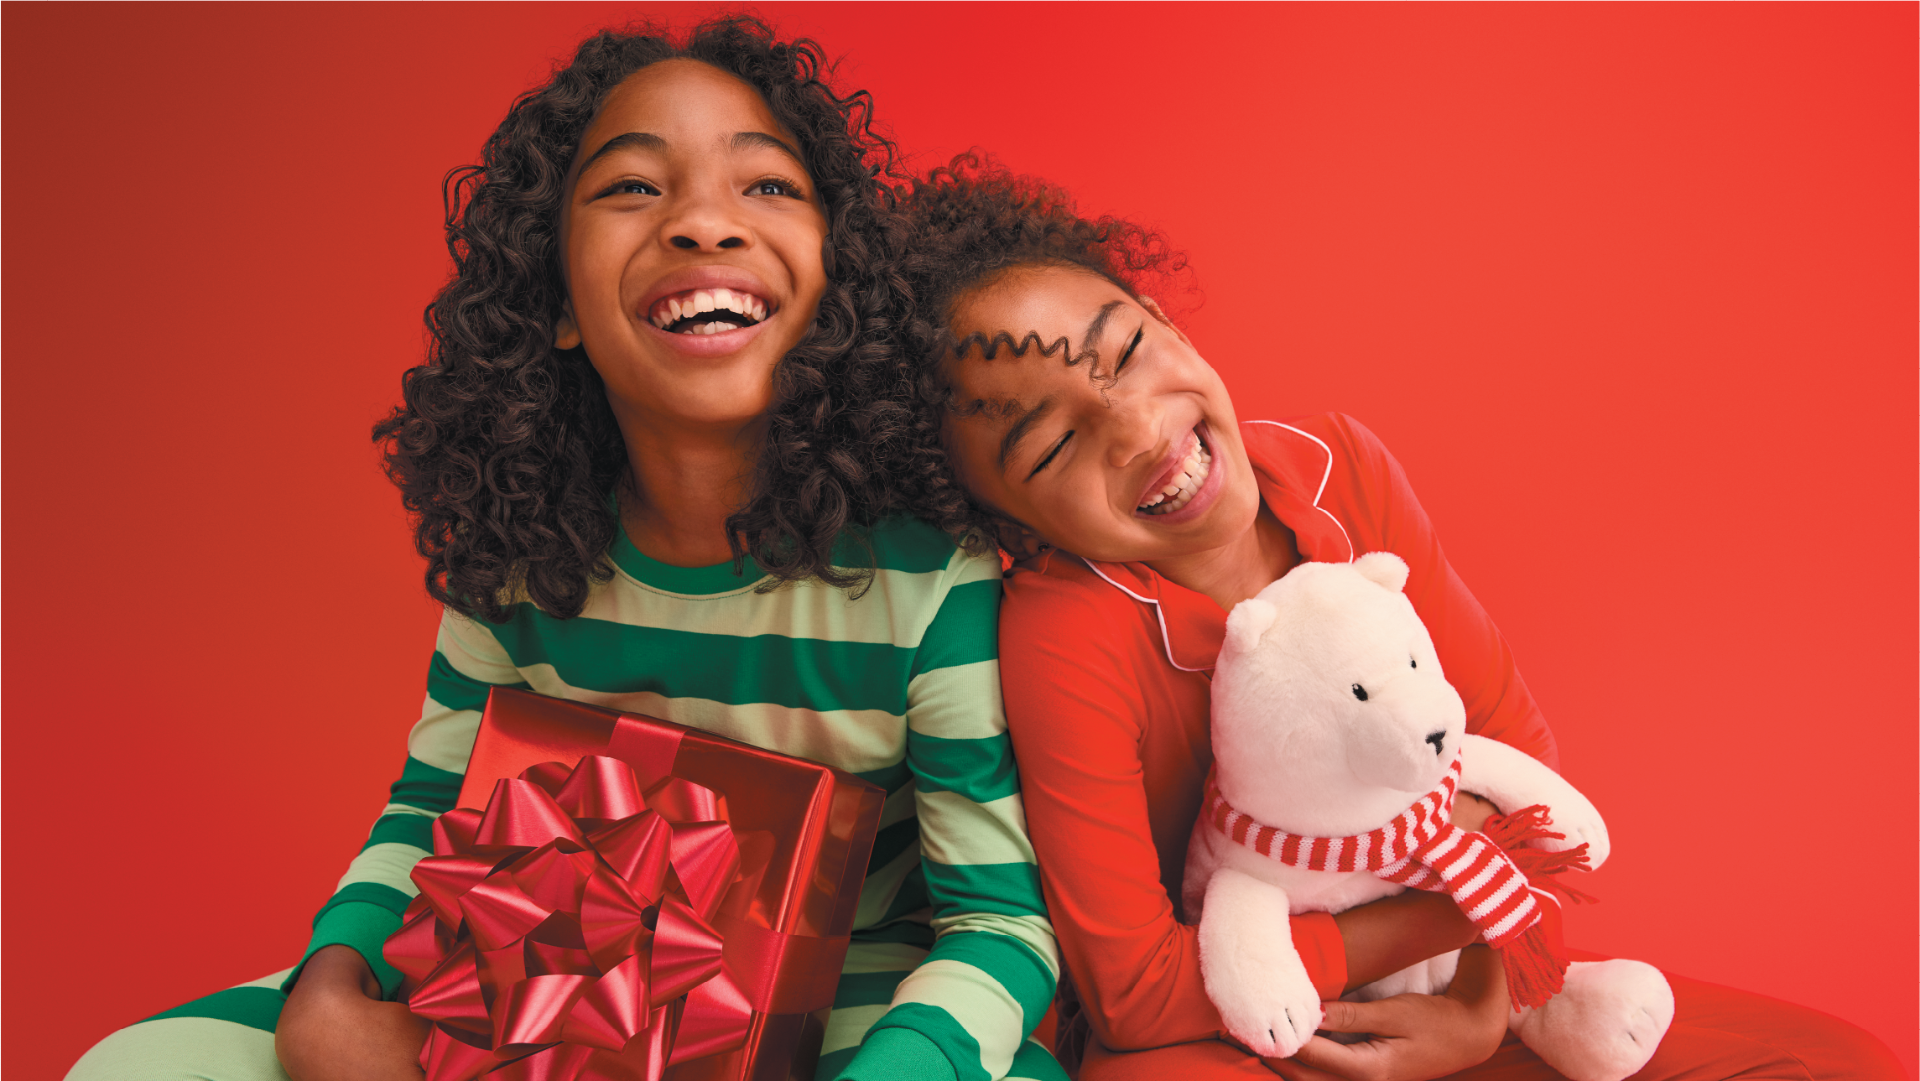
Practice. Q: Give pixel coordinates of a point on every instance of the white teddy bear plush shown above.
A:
(1338, 746)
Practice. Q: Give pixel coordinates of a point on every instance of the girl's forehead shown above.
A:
(679, 102)
(1049, 300)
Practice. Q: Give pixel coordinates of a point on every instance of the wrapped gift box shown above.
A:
(620, 898)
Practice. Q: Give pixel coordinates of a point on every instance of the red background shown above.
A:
(1630, 289)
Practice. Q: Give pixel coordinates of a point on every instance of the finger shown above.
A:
(1383, 1017)
(1343, 1016)
(1354, 1062)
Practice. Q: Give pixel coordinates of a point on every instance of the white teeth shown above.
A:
(671, 310)
(1184, 486)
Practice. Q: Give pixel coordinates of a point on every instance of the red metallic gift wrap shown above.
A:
(620, 898)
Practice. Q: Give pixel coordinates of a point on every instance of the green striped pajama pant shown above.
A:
(228, 1035)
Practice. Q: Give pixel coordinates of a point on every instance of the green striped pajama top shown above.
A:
(900, 686)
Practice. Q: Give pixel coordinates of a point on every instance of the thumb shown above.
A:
(1342, 1016)
(1382, 1017)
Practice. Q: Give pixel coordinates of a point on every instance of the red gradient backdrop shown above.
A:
(1630, 289)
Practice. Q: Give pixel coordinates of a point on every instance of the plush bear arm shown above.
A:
(1512, 780)
(1254, 975)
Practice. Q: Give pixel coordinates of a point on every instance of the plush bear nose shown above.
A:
(1439, 741)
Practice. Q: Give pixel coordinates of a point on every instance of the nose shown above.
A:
(1133, 424)
(687, 243)
(1439, 741)
(703, 221)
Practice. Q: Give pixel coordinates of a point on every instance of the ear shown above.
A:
(1018, 541)
(1153, 309)
(566, 332)
(1384, 569)
(1248, 621)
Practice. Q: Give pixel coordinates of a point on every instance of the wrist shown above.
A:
(337, 969)
(1479, 978)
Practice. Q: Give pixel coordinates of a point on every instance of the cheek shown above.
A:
(595, 271)
(808, 260)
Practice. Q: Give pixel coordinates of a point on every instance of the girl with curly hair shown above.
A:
(1065, 417)
(636, 459)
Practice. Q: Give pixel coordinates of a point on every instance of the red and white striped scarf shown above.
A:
(1422, 849)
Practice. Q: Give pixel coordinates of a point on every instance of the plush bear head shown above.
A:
(1330, 712)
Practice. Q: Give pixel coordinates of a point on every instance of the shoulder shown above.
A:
(903, 547)
(1321, 448)
(1057, 593)
(1330, 459)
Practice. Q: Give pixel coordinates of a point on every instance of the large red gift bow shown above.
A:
(564, 923)
(567, 932)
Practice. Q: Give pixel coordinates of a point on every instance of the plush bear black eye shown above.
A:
(1360, 692)
(1411, 663)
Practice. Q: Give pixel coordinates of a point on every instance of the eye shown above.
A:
(631, 187)
(773, 185)
(1360, 692)
(1057, 448)
(1411, 663)
(1128, 355)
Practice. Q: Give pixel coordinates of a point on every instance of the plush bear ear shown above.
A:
(1384, 569)
(1248, 621)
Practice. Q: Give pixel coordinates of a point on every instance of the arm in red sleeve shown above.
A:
(1369, 492)
(1082, 680)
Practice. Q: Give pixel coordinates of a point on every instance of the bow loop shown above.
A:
(563, 933)
(639, 849)
(686, 951)
(707, 858)
(453, 831)
(601, 790)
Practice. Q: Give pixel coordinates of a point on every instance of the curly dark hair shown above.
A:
(968, 224)
(506, 451)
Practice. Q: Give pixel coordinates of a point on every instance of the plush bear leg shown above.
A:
(1252, 972)
(1604, 1025)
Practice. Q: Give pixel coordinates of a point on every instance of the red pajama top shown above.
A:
(1106, 668)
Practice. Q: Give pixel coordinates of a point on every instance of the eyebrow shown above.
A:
(646, 140)
(1011, 441)
(1096, 328)
(639, 140)
(743, 140)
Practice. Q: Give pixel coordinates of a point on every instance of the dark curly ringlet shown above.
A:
(968, 224)
(505, 449)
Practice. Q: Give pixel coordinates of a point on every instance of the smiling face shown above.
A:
(1142, 463)
(692, 240)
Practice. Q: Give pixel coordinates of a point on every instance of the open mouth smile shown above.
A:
(708, 311)
(1181, 483)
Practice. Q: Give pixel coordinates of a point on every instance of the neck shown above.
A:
(684, 482)
(1239, 569)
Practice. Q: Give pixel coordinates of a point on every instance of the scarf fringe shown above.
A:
(1536, 959)
(1511, 832)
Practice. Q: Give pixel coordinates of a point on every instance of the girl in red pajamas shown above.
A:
(1059, 408)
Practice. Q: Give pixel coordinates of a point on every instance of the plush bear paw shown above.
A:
(1251, 970)
(1274, 1015)
(1605, 1024)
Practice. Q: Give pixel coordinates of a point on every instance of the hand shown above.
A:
(336, 1028)
(1412, 1037)
(1470, 812)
